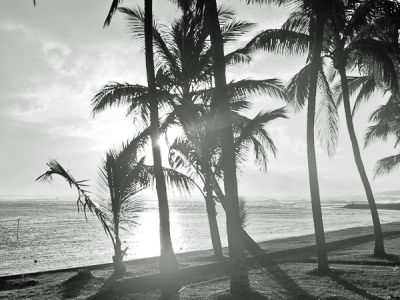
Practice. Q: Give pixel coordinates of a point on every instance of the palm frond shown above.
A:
(113, 9)
(364, 14)
(378, 131)
(84, 201)
(327, 119)
(182, 155)
(297, 88)
(234, 29)
(298, 21)
(387, 164)
(365, 93)
(387, 117)
(237, 57)
(275, 2)
(375, 58)
(115, 94)
(280, 41)
(242, 89)
(136, 20)
(251, 134)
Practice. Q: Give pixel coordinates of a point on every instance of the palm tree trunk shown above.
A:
(118, 258)
(168, 262)
(312, 160)
(379, 249)
(212, 218)
(239, 281)
(249, 244)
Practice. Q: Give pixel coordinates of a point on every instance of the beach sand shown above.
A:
(284, 274)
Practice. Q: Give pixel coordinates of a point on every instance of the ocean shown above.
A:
(53, 235)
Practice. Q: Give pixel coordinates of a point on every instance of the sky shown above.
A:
(53, 58)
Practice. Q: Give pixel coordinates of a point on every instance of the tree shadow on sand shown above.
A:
(335, 276)
(72, 286)
(294, 291)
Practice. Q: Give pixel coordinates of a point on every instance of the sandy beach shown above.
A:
(294, 255)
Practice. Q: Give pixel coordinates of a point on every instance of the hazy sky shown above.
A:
(54, 58)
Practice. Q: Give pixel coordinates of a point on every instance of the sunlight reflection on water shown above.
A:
(54, 234)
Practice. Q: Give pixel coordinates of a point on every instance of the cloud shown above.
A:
(59, 56)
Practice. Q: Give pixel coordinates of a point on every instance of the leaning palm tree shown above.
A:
(317, 15)
(352, 40)
(121, 180)
(192, 153)
(355, 44)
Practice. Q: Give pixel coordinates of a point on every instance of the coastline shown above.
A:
(143, 273)
(387, 206)
(137, 267)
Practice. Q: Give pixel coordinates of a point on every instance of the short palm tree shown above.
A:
(122, 178)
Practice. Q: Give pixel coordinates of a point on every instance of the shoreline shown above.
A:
(382, 206)
(185, 259)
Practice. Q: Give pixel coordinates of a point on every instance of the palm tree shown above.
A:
(193, 153)
(239, 281)
(168, 262)
(317, 11)
(354, 45)
(352, 40)
(183, 77)
(121, 180)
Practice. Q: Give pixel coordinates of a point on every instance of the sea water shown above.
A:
(53, 235)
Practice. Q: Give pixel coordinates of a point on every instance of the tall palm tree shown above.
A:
(351, 40)
(168, 262)
(318, 10)
(239, 281)
(184, 58)
(354, 45)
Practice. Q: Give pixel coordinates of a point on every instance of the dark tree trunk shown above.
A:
(212, 218)
(168, 262)
(118, 259)
(248, 243)
(379, 249)
(312, 160)
(239, 281)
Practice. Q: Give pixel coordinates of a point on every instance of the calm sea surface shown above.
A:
(53, 233)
